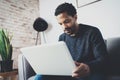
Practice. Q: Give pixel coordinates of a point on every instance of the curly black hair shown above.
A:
(65, 7)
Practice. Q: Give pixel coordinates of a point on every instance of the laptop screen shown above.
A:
(50, 58)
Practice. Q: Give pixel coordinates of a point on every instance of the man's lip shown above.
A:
(66, 31)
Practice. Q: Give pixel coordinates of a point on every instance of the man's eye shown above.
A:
(67, 21)
(60, 23)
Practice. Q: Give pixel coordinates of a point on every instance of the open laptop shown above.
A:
(50, 59)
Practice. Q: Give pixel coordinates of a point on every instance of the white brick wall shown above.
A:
(18, 16)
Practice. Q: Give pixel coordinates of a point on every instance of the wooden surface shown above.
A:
(12, 75)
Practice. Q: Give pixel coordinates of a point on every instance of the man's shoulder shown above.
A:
(62, 37)
(63, 34)
(87, 27)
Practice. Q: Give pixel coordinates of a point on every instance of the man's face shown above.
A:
(67, 22)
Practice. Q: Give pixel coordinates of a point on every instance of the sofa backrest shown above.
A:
(113, 63)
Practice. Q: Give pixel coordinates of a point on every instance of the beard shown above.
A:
(70, 31)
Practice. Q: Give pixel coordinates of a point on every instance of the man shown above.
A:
(85, 44)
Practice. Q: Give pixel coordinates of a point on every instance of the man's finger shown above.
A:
(77, 63)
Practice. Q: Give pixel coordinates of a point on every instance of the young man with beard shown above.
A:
(85, 44)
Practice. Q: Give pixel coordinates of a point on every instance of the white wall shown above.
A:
(104, 15)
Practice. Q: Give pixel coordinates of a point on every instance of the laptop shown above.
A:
(50, 59)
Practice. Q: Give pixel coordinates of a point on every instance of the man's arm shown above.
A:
(99, 51)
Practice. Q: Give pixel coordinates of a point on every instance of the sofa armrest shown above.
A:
(24, 68)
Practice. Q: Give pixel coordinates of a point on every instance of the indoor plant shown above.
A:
(5, 51)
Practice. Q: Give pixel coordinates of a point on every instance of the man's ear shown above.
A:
(75, 16)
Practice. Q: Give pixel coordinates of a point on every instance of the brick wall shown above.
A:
(18, 16)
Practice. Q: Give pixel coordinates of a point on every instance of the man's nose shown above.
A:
(64, 25)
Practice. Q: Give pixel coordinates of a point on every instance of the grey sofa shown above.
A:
(112, 64)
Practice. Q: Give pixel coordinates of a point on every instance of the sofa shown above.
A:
(112, 63)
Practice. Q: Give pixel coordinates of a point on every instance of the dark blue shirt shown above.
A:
(87, 46)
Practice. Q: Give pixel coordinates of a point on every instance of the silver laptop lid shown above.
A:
(50, 58)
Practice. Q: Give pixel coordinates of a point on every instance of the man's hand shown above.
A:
(81, 70)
